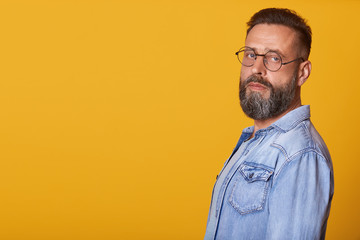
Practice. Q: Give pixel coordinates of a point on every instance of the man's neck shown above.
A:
(261, 124)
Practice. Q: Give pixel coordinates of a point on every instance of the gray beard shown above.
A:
(258, 108)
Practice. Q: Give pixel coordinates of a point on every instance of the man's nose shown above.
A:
(259, 67)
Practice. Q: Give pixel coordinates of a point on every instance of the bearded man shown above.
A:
(278, 182)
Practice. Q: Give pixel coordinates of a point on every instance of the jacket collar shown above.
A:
(293, 118)
(286, 123)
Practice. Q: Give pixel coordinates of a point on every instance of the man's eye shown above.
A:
(250, 55)
(273, 58)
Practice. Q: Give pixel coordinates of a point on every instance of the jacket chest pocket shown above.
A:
(250, 189)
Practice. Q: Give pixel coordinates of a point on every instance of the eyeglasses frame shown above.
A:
(263, 55)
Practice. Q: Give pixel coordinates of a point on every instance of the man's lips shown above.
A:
(256, 86)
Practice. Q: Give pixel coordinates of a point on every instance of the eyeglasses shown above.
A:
(272, 60)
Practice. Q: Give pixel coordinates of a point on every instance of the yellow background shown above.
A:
(116, 116)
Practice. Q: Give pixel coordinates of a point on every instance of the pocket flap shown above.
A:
(255, 172)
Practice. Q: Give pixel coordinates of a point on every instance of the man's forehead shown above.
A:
(274, 37)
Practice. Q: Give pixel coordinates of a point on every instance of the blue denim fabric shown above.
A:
(280, 185)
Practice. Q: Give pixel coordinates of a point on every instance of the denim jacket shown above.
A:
(277, 185)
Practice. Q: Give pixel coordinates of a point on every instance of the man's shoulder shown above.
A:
(303, 138)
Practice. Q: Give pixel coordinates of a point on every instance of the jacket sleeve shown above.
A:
(299, 199)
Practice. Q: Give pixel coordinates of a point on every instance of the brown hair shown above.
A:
(287, 18)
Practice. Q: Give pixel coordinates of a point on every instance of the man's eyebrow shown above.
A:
(278, 51)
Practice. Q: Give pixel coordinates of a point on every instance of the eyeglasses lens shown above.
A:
(272, 60)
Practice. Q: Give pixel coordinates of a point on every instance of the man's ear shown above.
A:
(304, 72)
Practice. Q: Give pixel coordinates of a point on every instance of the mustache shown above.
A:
(257, 79)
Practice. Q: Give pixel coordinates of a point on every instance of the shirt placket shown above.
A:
(224, 179)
